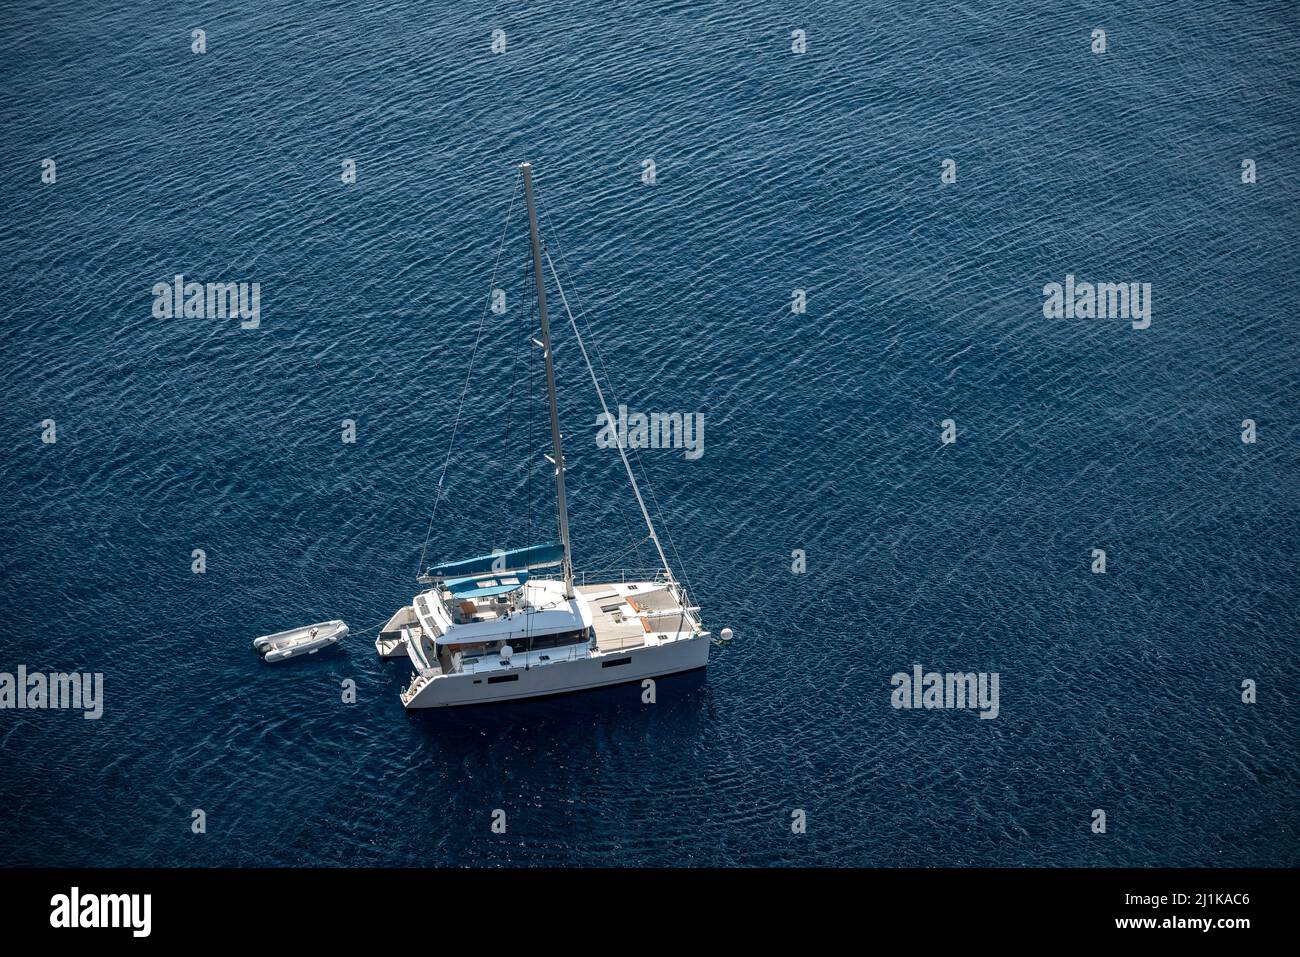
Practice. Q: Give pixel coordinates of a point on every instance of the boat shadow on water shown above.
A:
(331, 654)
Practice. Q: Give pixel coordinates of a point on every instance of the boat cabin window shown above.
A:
(536, 642)
(521, 643)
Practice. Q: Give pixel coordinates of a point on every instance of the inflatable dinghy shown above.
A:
(306, 640)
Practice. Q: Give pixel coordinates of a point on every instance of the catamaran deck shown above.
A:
(625, 614)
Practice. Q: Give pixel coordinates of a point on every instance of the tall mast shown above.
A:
(561, 504)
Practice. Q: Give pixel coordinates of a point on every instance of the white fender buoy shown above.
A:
(506, 652)
(725, 634)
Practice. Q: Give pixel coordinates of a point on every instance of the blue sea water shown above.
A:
(774, 171)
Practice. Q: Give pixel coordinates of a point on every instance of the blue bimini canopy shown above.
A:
(486, 586)
(502, 561)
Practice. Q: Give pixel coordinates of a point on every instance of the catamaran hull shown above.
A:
(561, 677)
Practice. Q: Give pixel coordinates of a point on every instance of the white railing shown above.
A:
(601, 576)
(626, 641)
(574, 652)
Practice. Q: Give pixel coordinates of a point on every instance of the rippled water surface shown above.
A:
(775, 171)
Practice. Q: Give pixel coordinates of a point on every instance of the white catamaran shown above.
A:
(487, 630)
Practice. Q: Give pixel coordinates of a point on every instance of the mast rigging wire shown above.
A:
(605, 372)
(645, 513)
(469, 372)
